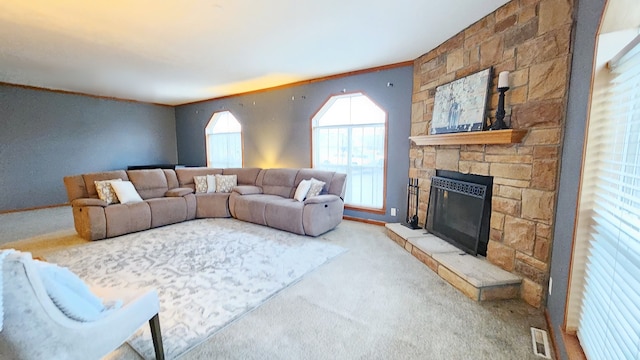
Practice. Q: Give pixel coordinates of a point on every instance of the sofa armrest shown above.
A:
(178, 192)
(247, 190)
(321, 199)
(88, 202)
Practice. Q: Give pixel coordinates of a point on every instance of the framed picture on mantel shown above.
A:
(461, 105)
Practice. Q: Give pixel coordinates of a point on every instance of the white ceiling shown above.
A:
(179, 51)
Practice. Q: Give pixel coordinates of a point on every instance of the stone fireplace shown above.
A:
(531, 39)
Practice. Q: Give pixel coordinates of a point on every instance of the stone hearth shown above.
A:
(473, 276)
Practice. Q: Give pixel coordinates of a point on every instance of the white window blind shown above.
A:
(609, 219)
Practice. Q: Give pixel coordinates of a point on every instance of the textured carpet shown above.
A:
(375, 301)
(207, 272)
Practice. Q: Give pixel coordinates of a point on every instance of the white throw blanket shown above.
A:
(3, 254)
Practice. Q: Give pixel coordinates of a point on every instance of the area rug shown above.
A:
(207, 272)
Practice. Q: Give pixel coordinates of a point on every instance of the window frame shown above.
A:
(379, 211)
(589, 247)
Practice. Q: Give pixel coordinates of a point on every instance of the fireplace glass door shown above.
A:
(456, 214)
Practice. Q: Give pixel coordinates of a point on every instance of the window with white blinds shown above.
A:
(609, 218)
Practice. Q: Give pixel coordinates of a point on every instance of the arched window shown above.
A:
(349, 136)
(224, 141)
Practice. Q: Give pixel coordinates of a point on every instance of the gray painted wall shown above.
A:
(45, 135)
(276, 126)
(588, 18)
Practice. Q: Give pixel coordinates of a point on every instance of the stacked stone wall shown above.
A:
(532, 40)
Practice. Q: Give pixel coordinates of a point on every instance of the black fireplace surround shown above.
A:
(459, 210)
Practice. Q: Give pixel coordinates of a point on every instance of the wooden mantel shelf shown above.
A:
(508, 136)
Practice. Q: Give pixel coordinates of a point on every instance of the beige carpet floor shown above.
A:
(374, 302)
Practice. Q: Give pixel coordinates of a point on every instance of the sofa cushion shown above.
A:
(247, 190)
(321, 199)
(226, 183)
(338, 185)
(167, 210)
(178, 192)
(76, 187)
(172, 179)
(246, 176)
(279, 182)
(212, 205)
(149, 183)
(250, 207)
(322, 175)
(127, 218)
(91, 178)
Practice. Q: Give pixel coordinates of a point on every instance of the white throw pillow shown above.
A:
(211, 183)
(105, 191)
(226, 183)
(316, 187)
(201, 183)
(126, 192)
(302, 190)
(70, 294)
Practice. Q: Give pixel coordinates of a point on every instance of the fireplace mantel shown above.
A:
(508, 136)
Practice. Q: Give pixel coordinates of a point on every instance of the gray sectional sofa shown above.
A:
(262, 196)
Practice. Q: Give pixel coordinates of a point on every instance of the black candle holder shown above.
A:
(499, 124)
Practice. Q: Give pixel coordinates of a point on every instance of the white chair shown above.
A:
(35, 328)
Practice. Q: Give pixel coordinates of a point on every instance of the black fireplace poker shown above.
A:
(413, 191)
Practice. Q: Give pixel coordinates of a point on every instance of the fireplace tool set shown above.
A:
(412, 202)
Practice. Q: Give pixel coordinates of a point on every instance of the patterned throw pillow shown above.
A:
(316, 187)
(105, 191)
(226, 183)
(201, 183)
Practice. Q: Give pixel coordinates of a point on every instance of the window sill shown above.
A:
(365, 209)
(572, 346)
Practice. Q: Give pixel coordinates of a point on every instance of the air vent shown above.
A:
(540, 343)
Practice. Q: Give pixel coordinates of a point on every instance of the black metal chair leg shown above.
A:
(156, 334)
